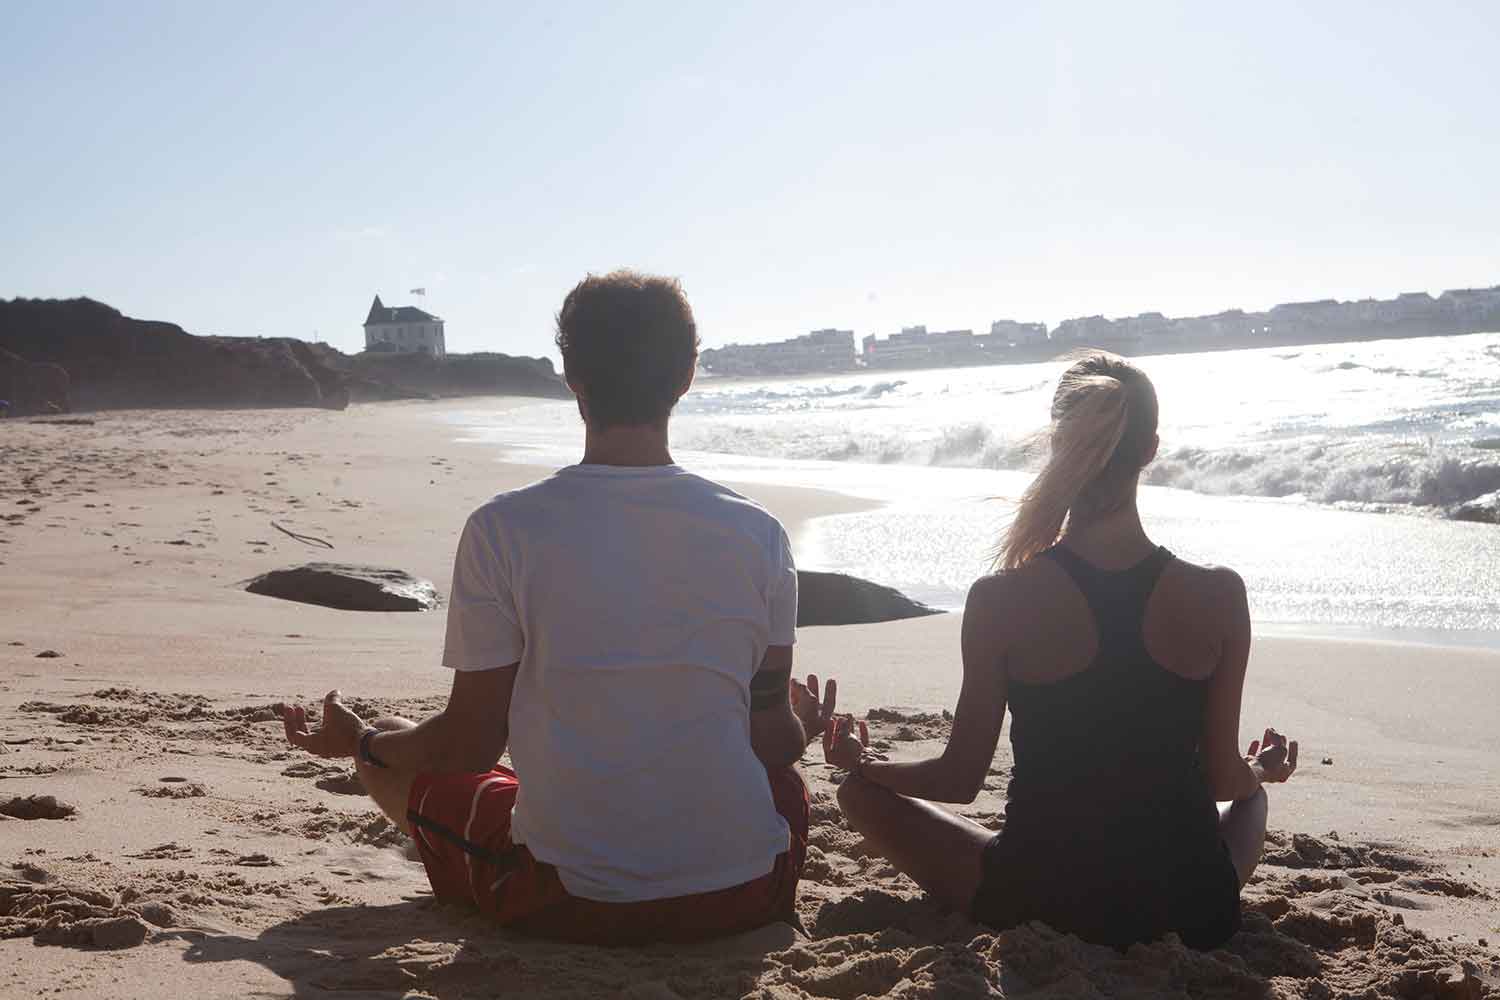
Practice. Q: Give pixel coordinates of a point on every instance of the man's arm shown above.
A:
(468, 735)
(776, 734)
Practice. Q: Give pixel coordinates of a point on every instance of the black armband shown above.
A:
(768, 688)
(365, 754)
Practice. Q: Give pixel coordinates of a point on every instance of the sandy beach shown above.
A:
(190, 851)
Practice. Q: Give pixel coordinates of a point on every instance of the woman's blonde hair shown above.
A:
(1103, 430)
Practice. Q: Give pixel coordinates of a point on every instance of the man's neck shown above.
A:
(638, 446)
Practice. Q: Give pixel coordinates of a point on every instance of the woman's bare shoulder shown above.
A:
(1211, 588)
(1209, 575)
(1010, 587)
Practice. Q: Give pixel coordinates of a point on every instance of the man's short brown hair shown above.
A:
(629, 343)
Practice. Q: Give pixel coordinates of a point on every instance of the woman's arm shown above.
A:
(959, 773)
(1230, 776)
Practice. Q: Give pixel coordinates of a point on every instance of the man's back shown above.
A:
(639, 602)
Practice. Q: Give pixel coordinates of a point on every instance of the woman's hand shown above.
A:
(844, 746)
(336, 736)
(1272, 757)
(814, 713)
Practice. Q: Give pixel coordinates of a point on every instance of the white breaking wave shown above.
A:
(1330, 472)
(1364, 469)
(1414, 423)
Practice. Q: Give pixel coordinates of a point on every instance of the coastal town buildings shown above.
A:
(1470, 304)
(915, 347)
(1411, 314)
(819, 351)
(404, 330)
(1015, 334)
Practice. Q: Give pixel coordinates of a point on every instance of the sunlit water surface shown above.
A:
(1272, 461)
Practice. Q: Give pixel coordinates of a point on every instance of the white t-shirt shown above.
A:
(639, 602)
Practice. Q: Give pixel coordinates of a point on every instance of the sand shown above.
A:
(158, 837)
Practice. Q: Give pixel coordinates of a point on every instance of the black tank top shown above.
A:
(1110, 830)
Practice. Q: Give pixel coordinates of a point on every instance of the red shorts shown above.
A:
(461, 823)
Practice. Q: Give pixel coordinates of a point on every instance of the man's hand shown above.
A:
(1272, 757)
(815, 714)
(336, 736)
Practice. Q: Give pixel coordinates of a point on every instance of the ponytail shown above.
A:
(1091, 414)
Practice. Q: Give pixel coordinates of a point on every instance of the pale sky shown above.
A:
(267, 168)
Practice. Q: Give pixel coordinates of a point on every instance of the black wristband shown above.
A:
(768, 689)
(364, 748)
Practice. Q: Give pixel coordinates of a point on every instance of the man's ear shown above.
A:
(1155, 447)
(583, 411)
(687, 383)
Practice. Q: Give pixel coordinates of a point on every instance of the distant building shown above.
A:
(819, 351)
(1089, 331)
(1408, 306)
(1008, 331)
(1469, 304)
(404, 330)
(1304, 315)
(915, 347)
(909, 347)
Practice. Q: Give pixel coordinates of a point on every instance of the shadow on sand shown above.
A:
(435, 950)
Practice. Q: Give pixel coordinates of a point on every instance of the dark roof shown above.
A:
(381, 313)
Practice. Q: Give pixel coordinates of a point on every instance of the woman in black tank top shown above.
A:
(1111, 829)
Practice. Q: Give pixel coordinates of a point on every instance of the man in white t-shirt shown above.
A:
(625, 629)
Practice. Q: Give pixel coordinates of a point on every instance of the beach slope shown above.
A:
(157, 834)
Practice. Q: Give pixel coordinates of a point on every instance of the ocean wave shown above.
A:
(1358, 472)
(711, 399)
(1378, 471)
(1348, 366)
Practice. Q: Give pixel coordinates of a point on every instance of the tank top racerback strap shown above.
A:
(1117, 598)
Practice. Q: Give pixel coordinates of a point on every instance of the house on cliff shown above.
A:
(404, 330)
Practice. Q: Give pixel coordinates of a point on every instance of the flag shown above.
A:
(418, 291)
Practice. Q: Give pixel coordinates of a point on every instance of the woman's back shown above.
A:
(1123, 670)
(1110, 829)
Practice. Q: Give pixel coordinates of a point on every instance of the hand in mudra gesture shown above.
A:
(1273, 756)
(846, 743)
(814, 713)
(336, 736)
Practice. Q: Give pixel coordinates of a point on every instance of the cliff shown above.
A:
(456, 375)
(115, 362)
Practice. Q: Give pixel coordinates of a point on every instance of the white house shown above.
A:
(403, 330)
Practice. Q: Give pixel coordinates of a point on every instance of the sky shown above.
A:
(267, 168)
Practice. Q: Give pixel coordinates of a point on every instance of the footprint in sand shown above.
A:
(342, 784)
(311, 769)
(170, 851)
(191, 790)
(72, 916)
(257, 861)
